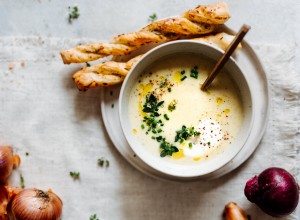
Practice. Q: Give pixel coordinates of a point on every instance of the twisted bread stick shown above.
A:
(201, 20)
(111, 72)
(103, 74)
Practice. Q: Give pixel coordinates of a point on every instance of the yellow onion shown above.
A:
(7, 193)
(35, 204)
(234, 212)
(7, 162)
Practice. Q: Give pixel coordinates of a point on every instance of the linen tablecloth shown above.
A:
(57, 129)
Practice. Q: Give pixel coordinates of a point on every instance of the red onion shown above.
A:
(275, 191)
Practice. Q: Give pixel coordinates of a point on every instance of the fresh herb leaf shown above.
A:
(93, 217)
(88, 64)
(185, 133)
(169, 89)
(22, 181)
(166, 117)
(151, 105)
(103, 161)
(152, 17)
(194, 72)
(73, 13)
(183, 78)
(167, 149)
(159, 138)
(75, 175)
(182, 72)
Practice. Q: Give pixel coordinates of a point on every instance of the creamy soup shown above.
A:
(175, 120)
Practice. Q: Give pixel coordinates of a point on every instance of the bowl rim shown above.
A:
(124, 122)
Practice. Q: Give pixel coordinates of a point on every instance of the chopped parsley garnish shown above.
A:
(151, 122)
(190, 145)
(103, 161)
(172, 106)
(151, 105)
(27, 154)
(75, 175)
(112, 105)
(194, 72)
(152, 17)
(185, 133)
(142, 126)
(93, 217)
(182, 72)
(73, 13)
(22, 181)
(167, 149)
(166, 117)
(159, 138)
(183, 78)
(88, 64)
(169, 89)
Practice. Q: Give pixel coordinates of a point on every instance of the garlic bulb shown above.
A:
(7, 162)
(35, 204)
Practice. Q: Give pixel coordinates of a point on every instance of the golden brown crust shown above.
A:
(220, 40)
(210, 14)
(138, 38)
(86, 53)
(103, 74)
(111, 72)
(201, 20)
(179, 26)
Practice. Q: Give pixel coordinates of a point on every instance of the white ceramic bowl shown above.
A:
(165, 166)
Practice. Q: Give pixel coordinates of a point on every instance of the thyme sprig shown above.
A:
(152, 17)
(73, 13)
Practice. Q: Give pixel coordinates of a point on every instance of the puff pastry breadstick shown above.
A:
(103, 74)
(201, 20)
(111, 72)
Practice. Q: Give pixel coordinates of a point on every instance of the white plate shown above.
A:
(249, 62)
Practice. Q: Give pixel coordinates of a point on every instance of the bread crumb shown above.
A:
(22, 63)
(11, 66)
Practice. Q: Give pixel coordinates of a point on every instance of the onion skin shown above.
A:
(7, 193)
(234, 212)
(6, 162)
(275, 191)
(35, 204)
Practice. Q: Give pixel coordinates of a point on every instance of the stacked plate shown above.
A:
(250, 63)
